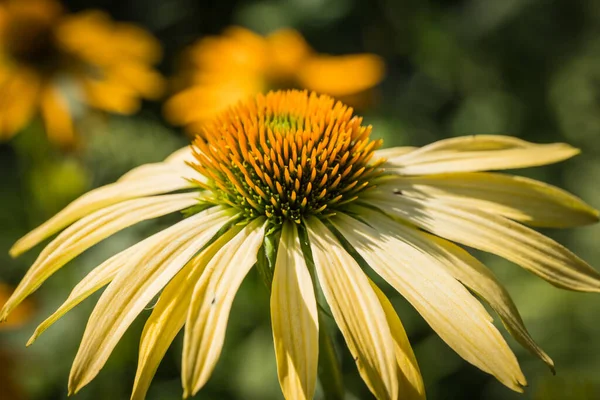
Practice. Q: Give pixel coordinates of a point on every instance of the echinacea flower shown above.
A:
(297, 178)
(219, 71)
(50, 60)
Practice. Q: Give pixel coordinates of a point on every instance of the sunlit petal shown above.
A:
(478, 153)
(459, 319)
(495, 234)
(522, 199)
(136, 284)
(357, 311)
(211, 303)
(294, 318)
(169, 315)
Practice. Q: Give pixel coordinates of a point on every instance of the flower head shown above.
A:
(219, 71)
(49, 58)
(300, 171)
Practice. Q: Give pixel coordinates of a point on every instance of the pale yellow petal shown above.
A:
(410, 382)
(136, 284)
(522, 199)
(211, 303)
(356, 310)
(478, 153)
(457, 317)
(96, 279)
(477, 277)
(392, 152)
(495, 234)
(99, 198)
(169, 314)
(90, 230)
(294, 319)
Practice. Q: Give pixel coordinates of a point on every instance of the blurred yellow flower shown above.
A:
(295, 177)
(219, 71)
(50, 60)
(22, 313)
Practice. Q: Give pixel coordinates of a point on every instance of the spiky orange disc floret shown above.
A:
(286, 155)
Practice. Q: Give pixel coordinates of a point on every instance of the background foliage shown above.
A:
(529, 68)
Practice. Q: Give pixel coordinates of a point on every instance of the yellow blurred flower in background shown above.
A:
(50, 61)
(22, 314)
(219, 71)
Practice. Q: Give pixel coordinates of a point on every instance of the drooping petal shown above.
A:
(90, 230)
(136, 284)
(96, 279)
(294, 318)
(356, 310)
(99, 198)
(478, 153)
(468, 270)
(522, 199)
(169, 314)
(495, 234)
(474, 275)
(457, 317)
(410, 382)
(211, 303)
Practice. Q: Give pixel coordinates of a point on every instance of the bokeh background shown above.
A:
(528, 68)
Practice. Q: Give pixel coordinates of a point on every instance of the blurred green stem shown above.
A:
(330, 374)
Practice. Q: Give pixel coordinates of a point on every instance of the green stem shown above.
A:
(330, 374)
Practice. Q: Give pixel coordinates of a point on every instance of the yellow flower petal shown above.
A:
(211, 304)
(169, 315)
(478, 153)
(392, 152)
(477, 277)
(522, 199)
(57, 117)
(99, 198)
(18, 102)
(294, 318)
(341, 75)
(90, 230)
(457, 317)
(357, 311)
(135, 286)
(96, 279)
(410, 382)
(495, 234)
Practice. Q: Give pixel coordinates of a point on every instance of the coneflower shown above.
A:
(296, 179)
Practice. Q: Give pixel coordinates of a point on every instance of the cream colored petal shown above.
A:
(90, 230)
(468, 270)
(99, 198)
(495, 234)
(136, 284)
(356, 310)
(476, 276)
(294, 319)
(211, 303)
(478, 153)
(522, 199)
(96, 279)
(169, 314)
(457, 317)
(392, 152)
(410, 382)
(181, 156)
